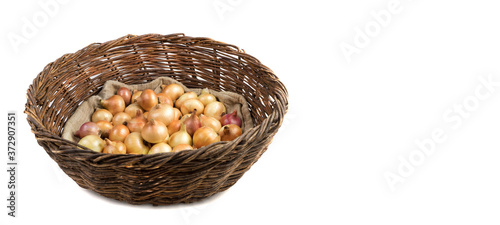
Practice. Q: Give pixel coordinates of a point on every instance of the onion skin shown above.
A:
(131, 109)
(102, 114)
(164, 99)
(135, 144)
(211, 122)
(119, 133)
(231, 118)
(154, 132)
(180, 137)
(206, 98)
(126, 94)
(173, 91)
(93, 142)
(182, 147)
(114, 147)
(114, 104)
(184, 97)
(205, 136)
(160, 148)
(163, 113)
(105, 127)
(229, 132)
(121, 118)
(137, 123)
(215, 110)
(88, 128)
(192, 104)
(147, 99)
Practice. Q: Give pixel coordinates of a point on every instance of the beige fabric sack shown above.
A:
(84, 112)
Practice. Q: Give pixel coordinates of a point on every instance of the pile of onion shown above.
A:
(146, 122)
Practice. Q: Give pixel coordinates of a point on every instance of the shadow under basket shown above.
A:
(158, 179)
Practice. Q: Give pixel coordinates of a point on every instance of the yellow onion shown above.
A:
(135, 144)
(137, 123)
(118, 133)
(173, 91)
(114, 104)
(125, 93)
(102, 114)
(154, 131)
(105, 127)
(205, 136)
(192, 104)
(147, 99)
(163, 113)
(184, 97)
(177, 114)
(215, 110)
(131, 109)
(229, 132)
(121, 118)
(135, 95)
(163, 98)
(160, 148)
(182, 147)
(114, 147)
(211, 122)
(93, 142)
(205, 97)
(180, 137)
(174, 127)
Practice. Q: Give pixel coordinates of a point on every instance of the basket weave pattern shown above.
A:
(159, 179)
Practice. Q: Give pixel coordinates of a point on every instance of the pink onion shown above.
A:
(231, 118)
(88, 128)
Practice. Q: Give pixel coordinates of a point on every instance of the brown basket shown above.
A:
(159, 179)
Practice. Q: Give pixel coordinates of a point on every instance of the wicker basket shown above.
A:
(159, 179)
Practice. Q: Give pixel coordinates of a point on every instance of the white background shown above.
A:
(348, 122)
